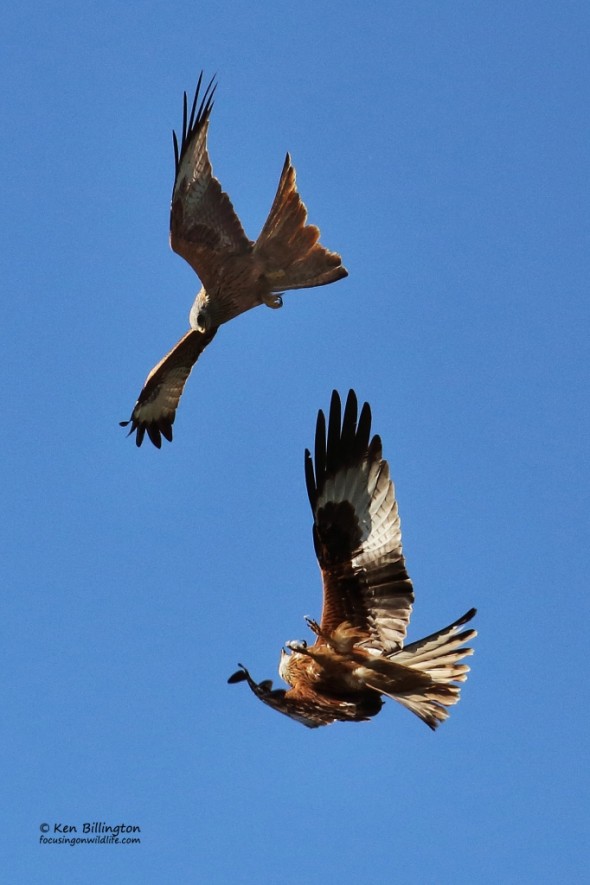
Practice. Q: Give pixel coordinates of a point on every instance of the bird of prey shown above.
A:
(236, 273)
(359, 654)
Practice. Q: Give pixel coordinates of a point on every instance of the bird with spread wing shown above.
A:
(236, 273)
(359, 654)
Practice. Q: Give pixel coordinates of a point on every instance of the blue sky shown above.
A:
(443, 151)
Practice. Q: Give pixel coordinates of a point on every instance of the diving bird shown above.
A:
(236, 273)
(359, 655)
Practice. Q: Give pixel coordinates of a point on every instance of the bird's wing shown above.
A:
(357, 535)
(204, 227)
(155, 409)
(303, 704)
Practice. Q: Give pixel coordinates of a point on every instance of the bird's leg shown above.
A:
(341, 640)
(273, 299)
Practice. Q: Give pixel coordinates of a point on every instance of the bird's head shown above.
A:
(292, 651)
(199, 317)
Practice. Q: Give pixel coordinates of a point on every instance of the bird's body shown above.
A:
(216, 305)
(359, 654)
(236, 273)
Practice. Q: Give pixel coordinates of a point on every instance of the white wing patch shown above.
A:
(386, 592)
(371, 492)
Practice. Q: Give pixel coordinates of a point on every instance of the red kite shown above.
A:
(359, 654)
(237, 273)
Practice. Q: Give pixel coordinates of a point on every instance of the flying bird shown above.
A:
(236, 273)
(359, 655)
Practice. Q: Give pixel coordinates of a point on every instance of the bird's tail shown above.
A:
(289, 248)
(438, 658)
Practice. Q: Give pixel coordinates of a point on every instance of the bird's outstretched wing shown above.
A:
(307, 707)
(204, 227)
(155, 409)
(356, 532)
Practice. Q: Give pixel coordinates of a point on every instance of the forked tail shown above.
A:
(437, 657)
(290, 249)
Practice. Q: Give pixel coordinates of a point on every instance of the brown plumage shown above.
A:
(237, 274)
(359, 654)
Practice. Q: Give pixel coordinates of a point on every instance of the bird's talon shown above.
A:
(273, 301)
(313, 625)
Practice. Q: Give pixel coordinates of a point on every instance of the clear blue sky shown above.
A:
(443, 148)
